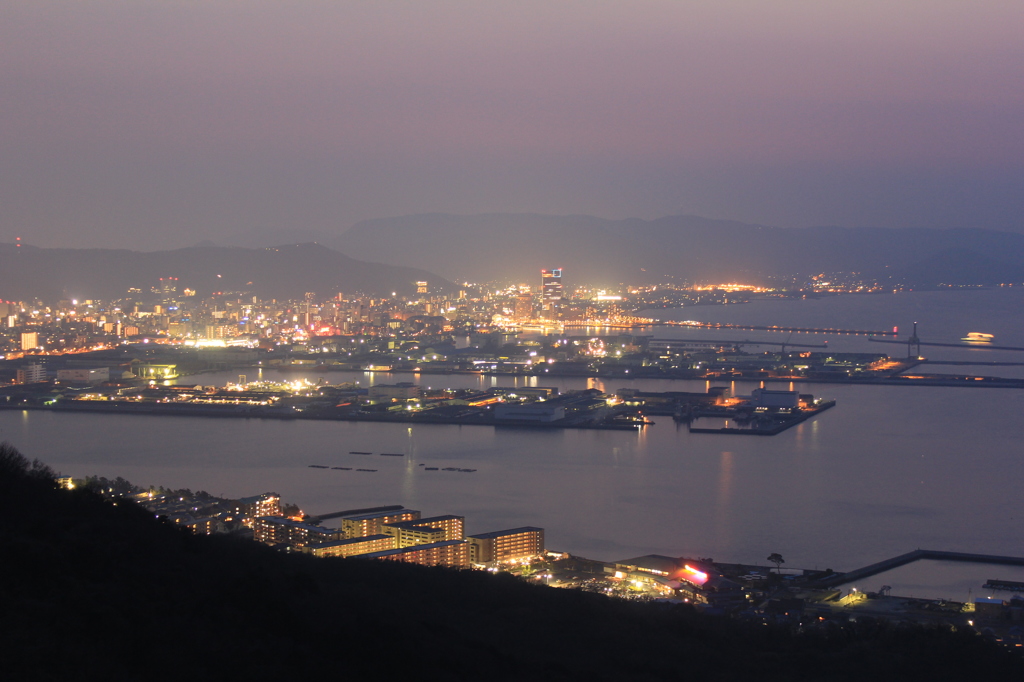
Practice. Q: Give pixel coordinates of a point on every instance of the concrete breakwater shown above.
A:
(258, 412)
(916, 555)
(773, 428)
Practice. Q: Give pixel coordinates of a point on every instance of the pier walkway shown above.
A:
(775, 328)
(684, 343)
(910, 557)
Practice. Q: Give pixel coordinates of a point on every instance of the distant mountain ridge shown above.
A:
(279, 272)
(509, 247)
(515, 246)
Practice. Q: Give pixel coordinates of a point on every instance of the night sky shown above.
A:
(152, 125)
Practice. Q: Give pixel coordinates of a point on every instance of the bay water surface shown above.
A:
(888, 470)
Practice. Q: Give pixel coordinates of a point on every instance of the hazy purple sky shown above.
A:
(150, 124)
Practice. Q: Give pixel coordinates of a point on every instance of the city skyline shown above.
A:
(633, 300)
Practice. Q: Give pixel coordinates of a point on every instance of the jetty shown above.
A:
(916, 555)
(772, 427)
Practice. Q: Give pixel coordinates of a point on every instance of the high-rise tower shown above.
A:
(551, 290)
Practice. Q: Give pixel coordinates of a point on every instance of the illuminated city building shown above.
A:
(352, 546)
(426, 531)
(695, 581)
(168, 289)
(267, 504)
(29, 340)
(504, 545)
(523, 306)
(451, 553)
(365, 525)
(551, 291)
(205, 526)
(277, 530)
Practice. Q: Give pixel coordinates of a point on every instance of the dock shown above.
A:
(772, 430)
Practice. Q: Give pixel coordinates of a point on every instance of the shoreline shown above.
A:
(244, 412)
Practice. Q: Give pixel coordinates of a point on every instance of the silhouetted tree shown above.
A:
(14, 466)
(776, 559)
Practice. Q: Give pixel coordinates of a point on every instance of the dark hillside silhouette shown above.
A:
(96, 589)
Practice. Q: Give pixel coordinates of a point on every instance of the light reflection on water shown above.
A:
(888, 470)
(874, 479)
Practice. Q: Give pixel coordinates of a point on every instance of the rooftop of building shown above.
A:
(416, 523)
(259, 498)
(501, 533)
(652, 562)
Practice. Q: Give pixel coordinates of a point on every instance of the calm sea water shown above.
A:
(888, 470)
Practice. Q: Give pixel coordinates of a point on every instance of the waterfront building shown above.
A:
(650, 564)
(365, 525)
(763, 397)
(267, 504)
(389, 392)
(426, 531)
(505, 545)
(89, 376)
(988, 607)
(277, 530)
(451, 553)
(653, 571)
(695, 581)
(31, 373)
(532, 412)
(351, 546)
